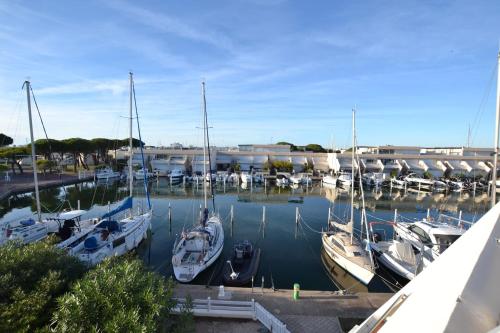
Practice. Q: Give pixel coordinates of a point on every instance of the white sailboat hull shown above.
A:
(363, 274)
(187, 271)
(120, 244)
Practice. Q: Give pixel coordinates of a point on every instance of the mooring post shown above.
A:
(297, 215)
(263, 214)
(169, 213)
(460, 219)
(329, 216)
(262, 285)
(428, 214)
(252, 284)
(200, 211)
(78, 204)
(232, 214)
(396, 215)
(474, 189)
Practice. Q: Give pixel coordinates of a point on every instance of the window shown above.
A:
(422, 235)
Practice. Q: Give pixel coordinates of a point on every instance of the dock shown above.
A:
(314, 311)
(22, 183)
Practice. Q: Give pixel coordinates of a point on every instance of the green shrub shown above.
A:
(119, 295)
(45, 165)
(427, 175)
(283, 166)
(31, 278)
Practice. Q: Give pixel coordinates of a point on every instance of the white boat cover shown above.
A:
(404, 252)
(458, 292)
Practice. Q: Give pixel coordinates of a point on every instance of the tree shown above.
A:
(102, 145)
(119, 295)
(283, 166)
(315, 148)
(45, 165)
(135, 142)
(12, 154)
(5, 140)
(48, 147)
(78, 147)
(427, 175)
(31, 279)
(292, 146)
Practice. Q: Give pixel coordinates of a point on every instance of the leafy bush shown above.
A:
(119, 295)
(427, 175)
(31, 278)
(283, 166)
(45, 165)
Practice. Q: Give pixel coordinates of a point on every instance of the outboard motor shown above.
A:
(66, 230)
(377, 237)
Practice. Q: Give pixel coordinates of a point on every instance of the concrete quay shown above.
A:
(315, 311)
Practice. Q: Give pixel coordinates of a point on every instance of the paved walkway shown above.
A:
(21, 183)
(315, 311)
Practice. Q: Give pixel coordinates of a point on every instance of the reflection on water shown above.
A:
(340, 277)
(290, 253)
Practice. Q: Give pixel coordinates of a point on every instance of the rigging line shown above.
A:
(377, 218)
(308, 226)
(208, 144)
(41, 120)
(142, 152)
(481, 107)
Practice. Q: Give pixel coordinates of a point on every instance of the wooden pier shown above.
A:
(314, 311)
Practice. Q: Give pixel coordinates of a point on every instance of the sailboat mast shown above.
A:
(495, 155)
(33, 155)
(352, 172)
(203, 109)
(130, 170)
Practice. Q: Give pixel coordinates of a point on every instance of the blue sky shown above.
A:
(418, 71)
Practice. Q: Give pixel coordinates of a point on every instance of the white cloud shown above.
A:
(169, 24)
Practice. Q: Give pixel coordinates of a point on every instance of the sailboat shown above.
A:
(340, 243)
(112, 237)
(198, 248)
(29, 230)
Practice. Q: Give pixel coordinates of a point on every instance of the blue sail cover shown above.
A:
(126, 204)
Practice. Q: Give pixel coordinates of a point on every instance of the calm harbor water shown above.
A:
(291, 253)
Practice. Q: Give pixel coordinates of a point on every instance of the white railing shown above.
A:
(233, 309)
(455, 221)
(267, 319)
(82, 174)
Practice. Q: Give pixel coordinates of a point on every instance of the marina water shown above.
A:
(291, 251)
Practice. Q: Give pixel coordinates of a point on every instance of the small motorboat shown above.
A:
(243, 265)
(373, 179)
(106, 173)
(282, 180)
(329, 180)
